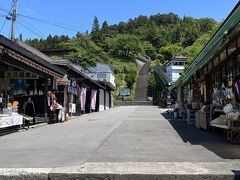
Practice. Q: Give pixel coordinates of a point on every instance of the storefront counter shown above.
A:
(14, 120)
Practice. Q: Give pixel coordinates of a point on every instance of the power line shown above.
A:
(29, 29)
(63, 24)
(1, 9)
(50, 23)
(3, 25)
(2, 15)
(33, 27)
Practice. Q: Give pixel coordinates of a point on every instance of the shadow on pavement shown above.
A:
(215, 142)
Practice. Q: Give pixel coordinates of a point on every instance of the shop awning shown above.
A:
(107, 85)
(212, 47)
(161, 76)
(27, 59)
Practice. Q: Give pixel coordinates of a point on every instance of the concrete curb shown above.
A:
(24, 173)
(130, 171)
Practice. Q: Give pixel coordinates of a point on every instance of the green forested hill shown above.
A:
(160, 36)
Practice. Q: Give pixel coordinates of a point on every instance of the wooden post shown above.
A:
(45, 99)
(209, 88)
(110, 100)
(104, 99)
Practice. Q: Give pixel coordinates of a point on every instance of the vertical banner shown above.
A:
(83, 92)
(65, 101)
(205, 93)
(72, 88)
(93, 99)
(202, 88)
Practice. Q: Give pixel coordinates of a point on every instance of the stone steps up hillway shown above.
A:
(142, 83)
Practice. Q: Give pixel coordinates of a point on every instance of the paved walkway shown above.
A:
(122, 134)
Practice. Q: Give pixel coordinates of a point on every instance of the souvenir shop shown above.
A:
(82, 94)
(211, 83)
(217, 83)
(23, 74)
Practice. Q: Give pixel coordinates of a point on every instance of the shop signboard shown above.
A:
(72, 108)
(125, 92)
(72, 88)
(20, 75)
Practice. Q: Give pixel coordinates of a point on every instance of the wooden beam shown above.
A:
(30, 63)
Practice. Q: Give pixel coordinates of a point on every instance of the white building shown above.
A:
(175, 67)
(104, 74)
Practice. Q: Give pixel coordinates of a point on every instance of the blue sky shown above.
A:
(79, 14)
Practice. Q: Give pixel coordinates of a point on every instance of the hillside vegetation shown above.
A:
(160, 36)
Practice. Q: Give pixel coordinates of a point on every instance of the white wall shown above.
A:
(174, 71)
(107, 97)
(172, 68)
(175, 76)
(111, 100)
(108, 77)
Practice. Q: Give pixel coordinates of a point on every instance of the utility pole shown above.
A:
(13, 15)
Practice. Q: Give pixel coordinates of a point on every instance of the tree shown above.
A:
(125, 46)
(130, 79)
(192, 51)
(95, 27)
(207, 24)
(96, 33)
(104, 28)
(21, 37)
(170, 51)
(105, 32)
(149, 50)
(176, 35)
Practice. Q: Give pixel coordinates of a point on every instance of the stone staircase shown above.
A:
(141, 90)
(142, 82)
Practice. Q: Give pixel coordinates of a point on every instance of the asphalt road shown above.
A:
(122, 134)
